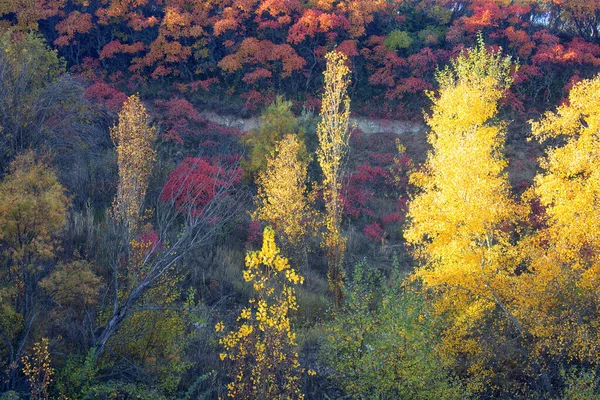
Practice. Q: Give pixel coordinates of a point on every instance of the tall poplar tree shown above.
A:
(333, 134)
(133, 137)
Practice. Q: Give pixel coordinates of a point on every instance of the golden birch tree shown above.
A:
(459, 220)
(559, 295)
(282, 194)
(333, 134)
(262, 352)
(133, 137)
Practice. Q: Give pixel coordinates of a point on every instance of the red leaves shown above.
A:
(107, 95)
(348, 47)
(196, 182)
(578, 51)
(519, 40)
(374, 231)
(179, 119)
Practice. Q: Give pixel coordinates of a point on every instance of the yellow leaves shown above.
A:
(38, 370)
(282, 195)
(559, 301)
(33, 210)
(333, 134)
(293, 277)
(248, 276)
(219, 326)
(570, 186)
(245, 314)
(133, 137)
(245, 330)
(460, 221)
(263, 347)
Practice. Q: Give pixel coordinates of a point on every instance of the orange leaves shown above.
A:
(486, 14)
(173, 19)
(275, 14)
(162, 51)
(262, 52)
(76, 22)
(116, 47)
(29, 12)
(256, 75)
(361, 14)
(312, 22)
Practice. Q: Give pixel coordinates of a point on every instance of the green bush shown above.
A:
(581, 385)
(276, 121)
(382, 345)
(398, 40)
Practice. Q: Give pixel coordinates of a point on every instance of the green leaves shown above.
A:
(383, 345)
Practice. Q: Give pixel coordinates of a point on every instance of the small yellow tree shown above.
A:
(460, 218)
(560, 300)
(263, 350)
(282, 195)
(38, 370)
(333, 134)
(133, 137)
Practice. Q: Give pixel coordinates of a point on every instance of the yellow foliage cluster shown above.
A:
(559, 299)
(33, 211)
(38, 370)
(282, 195)
(133, 137)
(464, 194)
(486, 273)
(263, 350)
(333, 134)
(458, 219)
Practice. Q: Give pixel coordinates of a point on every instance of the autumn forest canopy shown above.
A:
(299, 199)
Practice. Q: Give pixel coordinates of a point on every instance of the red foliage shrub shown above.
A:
(374, 231)
(196, 182)
(107, 95)
(179, 119)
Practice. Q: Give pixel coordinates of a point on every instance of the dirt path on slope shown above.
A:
(367, 125)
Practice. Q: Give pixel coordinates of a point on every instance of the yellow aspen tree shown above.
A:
(560, 299)
(282, 200)
(458, 220)
(262, 352)
(333, 134)
(133, 137)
